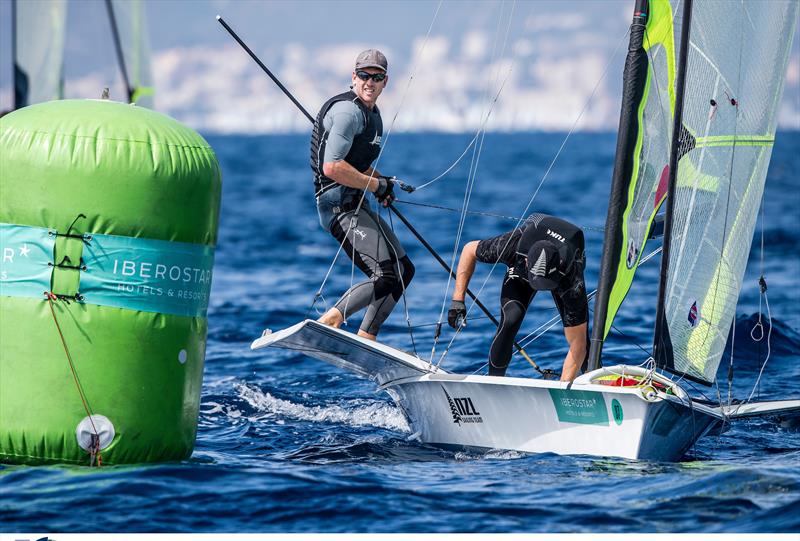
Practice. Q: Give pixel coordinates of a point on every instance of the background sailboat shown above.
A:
(39, 30)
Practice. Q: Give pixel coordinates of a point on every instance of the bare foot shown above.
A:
(368, 336)
(332, 318)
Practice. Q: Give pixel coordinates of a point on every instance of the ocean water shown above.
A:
(289, 444)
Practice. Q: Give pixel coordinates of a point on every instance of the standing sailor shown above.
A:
(543, 253)
(345, 141)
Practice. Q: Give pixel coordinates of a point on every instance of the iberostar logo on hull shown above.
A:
(462, 409)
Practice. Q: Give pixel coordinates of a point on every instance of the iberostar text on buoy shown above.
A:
(108, 222)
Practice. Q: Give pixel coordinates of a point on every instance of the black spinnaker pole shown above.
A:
(120, 54)
(397, 213)
(634, 82)
(662, 347)
(265, 68)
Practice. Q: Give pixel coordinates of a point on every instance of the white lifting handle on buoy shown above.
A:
(86, 429)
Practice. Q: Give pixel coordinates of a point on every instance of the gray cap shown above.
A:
(372, 58)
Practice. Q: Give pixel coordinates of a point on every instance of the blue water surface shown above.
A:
(289, 444)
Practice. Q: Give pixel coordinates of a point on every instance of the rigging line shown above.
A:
(490, 106)
(95, 451)
(352, 265)
(118, 47)
(561, 148)
(730, 363)
(401, 276)
(451, 209)
(468, 195)
(481, 130)
(476, 151)
(421, 325)
(762, 293)
(481, 213)
(458, 160)
(553, 321)
(318, 294)
(769, 349)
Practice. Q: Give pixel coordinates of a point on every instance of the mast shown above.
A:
(662, 348)
(118, 47)
(634, 81)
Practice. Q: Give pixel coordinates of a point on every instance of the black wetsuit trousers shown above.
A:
(373, 247)
(515, 297)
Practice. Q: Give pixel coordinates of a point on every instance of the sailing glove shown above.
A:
(457, 315)
(385, 192)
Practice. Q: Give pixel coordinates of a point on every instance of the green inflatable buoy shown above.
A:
(108, 222)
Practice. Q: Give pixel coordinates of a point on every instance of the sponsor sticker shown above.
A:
(582, 407)
(150, 275)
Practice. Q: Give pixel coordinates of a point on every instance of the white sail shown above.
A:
(736, 62)
(40, 31)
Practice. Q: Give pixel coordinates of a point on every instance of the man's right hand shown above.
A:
(385, 191)
(457, 315)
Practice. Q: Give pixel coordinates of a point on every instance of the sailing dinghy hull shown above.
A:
(519, 414)
(546, 417)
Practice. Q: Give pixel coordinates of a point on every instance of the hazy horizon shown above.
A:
(547, 57)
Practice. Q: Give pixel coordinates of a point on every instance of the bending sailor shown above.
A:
(346, 140)
(543, 253)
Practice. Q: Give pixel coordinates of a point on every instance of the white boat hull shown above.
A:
(518, 414)
(545, 417)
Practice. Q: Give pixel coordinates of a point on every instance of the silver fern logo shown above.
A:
(462, 409)
(540, 267)
(453, 409)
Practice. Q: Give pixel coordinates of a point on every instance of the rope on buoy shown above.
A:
(94, 450)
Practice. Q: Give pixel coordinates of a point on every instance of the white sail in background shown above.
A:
(736, 63)
(40, 31)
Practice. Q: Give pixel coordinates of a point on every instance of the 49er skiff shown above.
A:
(702, 84)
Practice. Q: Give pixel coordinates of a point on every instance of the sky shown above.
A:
(534, 65)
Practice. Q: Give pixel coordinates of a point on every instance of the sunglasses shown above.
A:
(377, 77)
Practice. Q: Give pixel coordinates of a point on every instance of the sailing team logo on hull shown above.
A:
(462, 409)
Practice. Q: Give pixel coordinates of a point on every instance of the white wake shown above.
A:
(377, 414)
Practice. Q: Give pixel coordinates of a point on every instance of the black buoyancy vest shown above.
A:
(365, 148)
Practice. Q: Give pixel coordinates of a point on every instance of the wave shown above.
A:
(375, 413)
